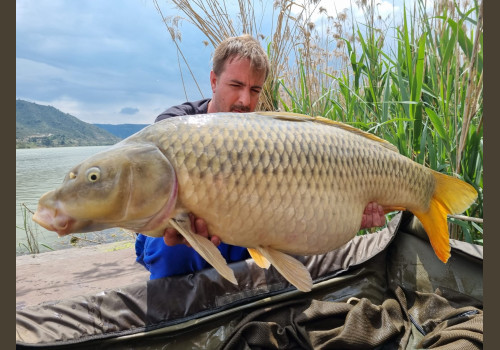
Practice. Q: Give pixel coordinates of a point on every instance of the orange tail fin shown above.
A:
(451, 196)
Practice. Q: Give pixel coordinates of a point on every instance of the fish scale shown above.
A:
(277, 183)
(299, 174)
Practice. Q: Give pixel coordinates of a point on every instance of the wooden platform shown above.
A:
(62, 274)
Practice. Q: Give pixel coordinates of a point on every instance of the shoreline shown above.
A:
(82, 240)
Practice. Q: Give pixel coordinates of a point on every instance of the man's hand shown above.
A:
(198, 226)
(373, 216)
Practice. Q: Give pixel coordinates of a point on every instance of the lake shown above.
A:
(39, 170)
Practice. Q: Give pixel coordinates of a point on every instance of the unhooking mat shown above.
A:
(385, 290)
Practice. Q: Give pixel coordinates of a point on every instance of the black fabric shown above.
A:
(314, 324)
(165, 302)
(412, 264)
(448, 320)
(187, 108)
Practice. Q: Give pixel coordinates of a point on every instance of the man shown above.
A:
(240, 68)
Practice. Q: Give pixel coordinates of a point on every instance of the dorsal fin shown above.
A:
(293, 117)
(296, 117)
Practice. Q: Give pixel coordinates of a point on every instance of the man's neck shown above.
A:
(210, 106)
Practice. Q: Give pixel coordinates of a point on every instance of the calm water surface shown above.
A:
(41, 170)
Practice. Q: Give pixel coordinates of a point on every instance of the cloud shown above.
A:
(129, 110)
(90, 58)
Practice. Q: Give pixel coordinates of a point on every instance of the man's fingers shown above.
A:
(378, 216)
(201, 227)
(172, 237)
(364, 222)
(198, 225)
(192, 219)
(215, 240)
(373, 216)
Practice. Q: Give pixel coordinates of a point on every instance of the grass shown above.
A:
(32, 245)
(415, 80)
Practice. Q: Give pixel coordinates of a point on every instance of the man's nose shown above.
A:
(244, 97)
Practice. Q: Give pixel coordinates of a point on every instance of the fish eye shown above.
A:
(93, 174)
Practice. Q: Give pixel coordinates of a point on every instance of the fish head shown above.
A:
(129, 186)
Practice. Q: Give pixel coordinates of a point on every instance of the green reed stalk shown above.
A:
(416, 82)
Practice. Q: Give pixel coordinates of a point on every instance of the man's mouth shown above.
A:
(240, 109)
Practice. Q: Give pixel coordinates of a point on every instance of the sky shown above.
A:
(111, 61)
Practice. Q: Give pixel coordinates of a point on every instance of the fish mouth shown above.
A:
(54, 220)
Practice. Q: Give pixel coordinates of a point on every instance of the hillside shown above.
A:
(122, 130)
(46, 126)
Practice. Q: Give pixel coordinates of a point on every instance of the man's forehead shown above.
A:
(236, 60)
(234, 72)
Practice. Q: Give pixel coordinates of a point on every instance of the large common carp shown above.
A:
(276, 183)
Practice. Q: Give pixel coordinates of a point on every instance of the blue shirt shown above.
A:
(162, 260)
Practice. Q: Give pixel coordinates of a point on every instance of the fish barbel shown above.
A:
(276, 183)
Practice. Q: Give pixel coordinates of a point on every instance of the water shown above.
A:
(38, 171)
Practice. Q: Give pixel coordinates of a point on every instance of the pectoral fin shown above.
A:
(290, 268)
(204, 247)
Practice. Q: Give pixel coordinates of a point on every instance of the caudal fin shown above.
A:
(451, 196)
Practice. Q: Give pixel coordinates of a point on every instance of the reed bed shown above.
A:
(414, 78)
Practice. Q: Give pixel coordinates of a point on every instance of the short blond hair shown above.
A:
(244, 46)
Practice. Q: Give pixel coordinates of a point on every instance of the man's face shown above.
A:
(237, 88)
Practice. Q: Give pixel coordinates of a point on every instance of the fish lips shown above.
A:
(57, 221)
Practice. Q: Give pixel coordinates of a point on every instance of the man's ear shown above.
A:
(213, 80)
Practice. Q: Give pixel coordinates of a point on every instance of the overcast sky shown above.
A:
(109, 61)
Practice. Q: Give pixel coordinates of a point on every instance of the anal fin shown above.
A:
(259, 259)
(388, 209)
(204, 247)
(289, 267)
